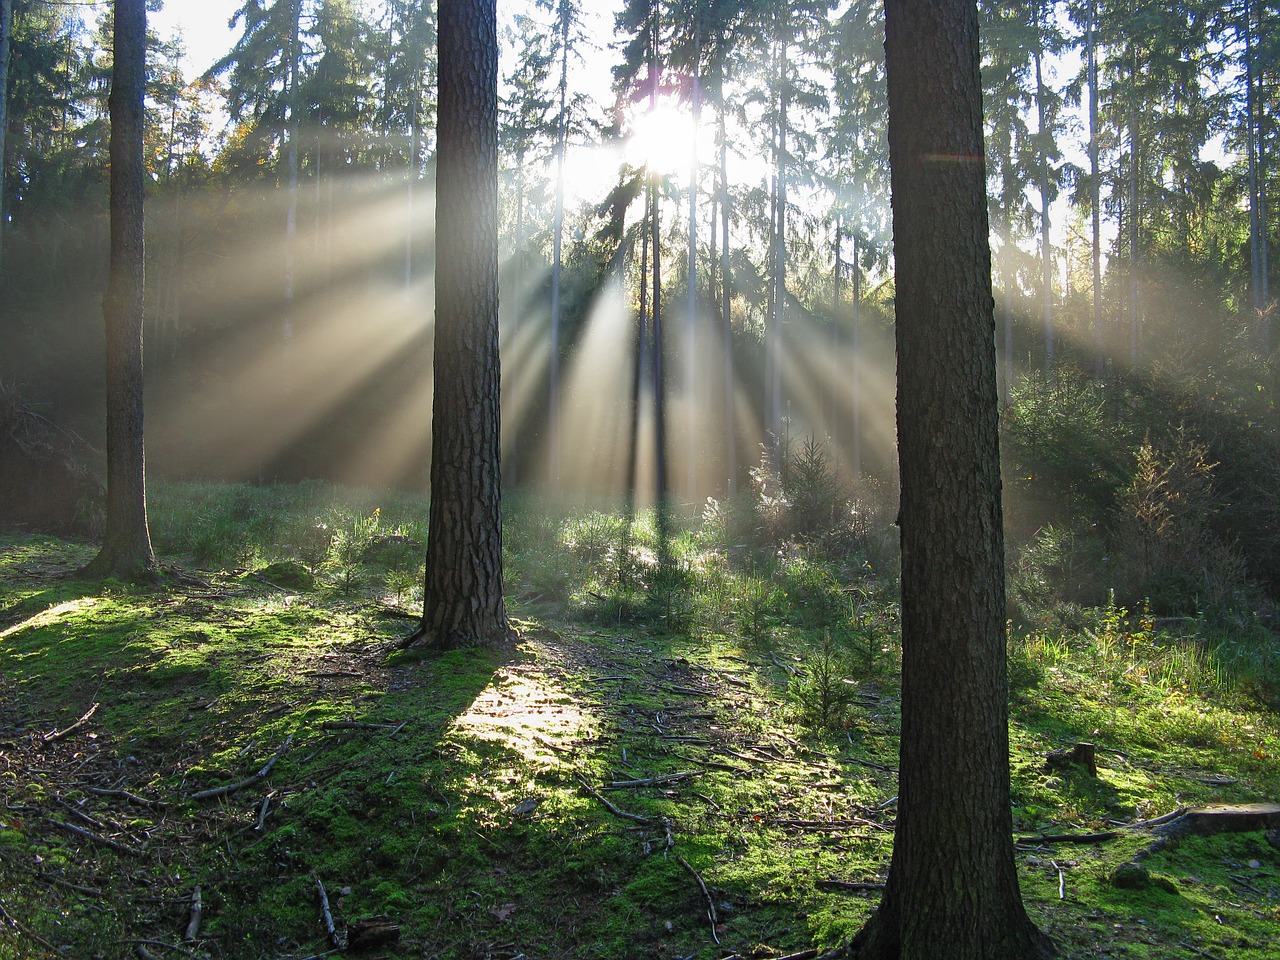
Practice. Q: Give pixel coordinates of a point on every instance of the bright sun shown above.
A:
(661, 136)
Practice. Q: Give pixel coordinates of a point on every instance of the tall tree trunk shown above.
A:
(1134, 238)
(661, 483)
(557, 236)
(952, 891)
(661, 491)
(1095, 193)
(779, 256)
(726, 316)
(126, 549)
(837, 278)
(415, 136)
(463, 603)
(855, 324)
(638, 366)
(1252, 142)
(6, 26)
(1046, 250)
(291, 214)
(691, 319)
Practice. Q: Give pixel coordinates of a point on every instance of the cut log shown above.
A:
(1222, 818)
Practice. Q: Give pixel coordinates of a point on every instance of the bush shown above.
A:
(1162, 537)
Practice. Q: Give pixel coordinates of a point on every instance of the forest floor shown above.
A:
(194, 768)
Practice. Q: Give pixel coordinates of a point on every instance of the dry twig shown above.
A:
(711, 903)
(59, 734)
(633, 817)
(247, 781)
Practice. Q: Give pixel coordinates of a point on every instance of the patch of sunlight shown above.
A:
(51, 614)
(528, 716)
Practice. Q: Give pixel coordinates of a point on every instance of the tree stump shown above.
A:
(1079, 755)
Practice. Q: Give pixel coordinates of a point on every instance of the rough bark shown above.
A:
(463, 603)
(952, 891)
(126, 549)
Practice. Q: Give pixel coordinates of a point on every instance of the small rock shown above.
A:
(1255, 865)
(1130, 876)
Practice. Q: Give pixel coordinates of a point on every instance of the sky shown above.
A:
(203, 24)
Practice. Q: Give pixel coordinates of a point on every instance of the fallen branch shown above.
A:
(622, 814)
(551, 744)
(711, 903)
(358, 725)
(126, 795)
(855, 885)
(819, 826)
(262, 812)
(59, 734)
(1044, 838)
(874, 766)
(658, 781)
(193, 924)
(143, 944)
(96, 838)
(27, 931)
(330, 930)
(247, 781)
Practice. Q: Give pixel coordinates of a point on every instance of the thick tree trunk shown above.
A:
(463, 603)
(126, 549)
(952, 891)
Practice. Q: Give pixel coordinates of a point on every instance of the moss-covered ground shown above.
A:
(659, 727)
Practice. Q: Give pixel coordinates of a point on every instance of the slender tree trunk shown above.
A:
(780, 254)
(291, 214)
(1252, 141)
(1046, 250)
(952, 891)
(557, 239)
(691, 319)
(415, 137)
(126, 549)
(726, 315)
(855, 323)
(6, 26)
(662, 487)
(638, 365)
(1095, 194)
(837, 278)
(463, 602)
(1134, 253)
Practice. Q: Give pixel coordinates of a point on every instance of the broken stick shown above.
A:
(193, 924)
(330, 930)
(634, 817)
(711, 903)
(247, 781)
(59, 734)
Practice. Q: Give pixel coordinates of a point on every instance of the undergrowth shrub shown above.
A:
(824, 691)
(1066, 454)
(1162, 537)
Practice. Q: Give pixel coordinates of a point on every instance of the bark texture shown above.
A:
(126, 549)
(463, 597)
(952, 891)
